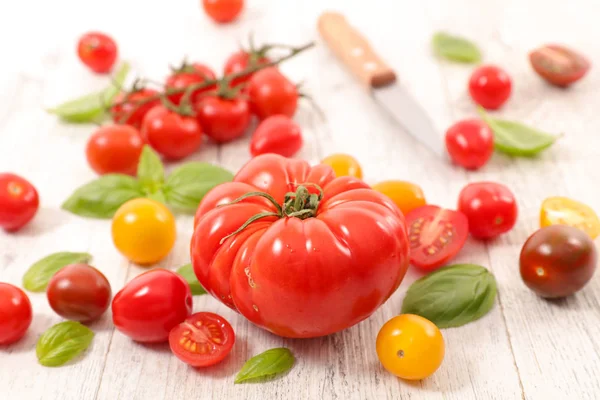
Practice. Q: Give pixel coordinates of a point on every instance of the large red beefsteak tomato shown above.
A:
(295, 259)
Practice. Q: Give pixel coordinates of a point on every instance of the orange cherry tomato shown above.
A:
(565, 211)
(407, 196)
(343, 165)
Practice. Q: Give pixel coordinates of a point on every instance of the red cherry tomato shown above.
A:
(271, 93)
(79, 292)
(559, 65)
(277, 134)
(470, 143)
(223, 10)
(241, 60)
(436, 235)
(15, 313)
(490, 87)
(19, 202)
(222, 119)
(126, 109)
(202, 340)
(97, 51)
(490, 207)
(152, 304)
(189, 75)
(172, 135)
(114, 149)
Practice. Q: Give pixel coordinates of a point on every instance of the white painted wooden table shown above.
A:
(525, 348)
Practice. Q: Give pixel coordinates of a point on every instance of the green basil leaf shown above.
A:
(452, 296)
(101, 198)
(39, 274)
(92, 107)
(150, 171)
(188, 184)
(158, 196)
(516, 139)
(274, 361)
(62, 342)
(187, 272)
(455, 48)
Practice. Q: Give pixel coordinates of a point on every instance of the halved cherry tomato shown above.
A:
(97, 51)
(114, 149)
(187, 75)
(565, 211)
(203, 339)
(470, 143)
(241, 60)
(436, 235)
(19, 202)
(406, 195)
(559, 65)
(490, 86)
(343, 165)
(128, 108)
(223, 10)
(271, 93)
(410, 347)
(223, 119)
(277, 134)
(15, 313)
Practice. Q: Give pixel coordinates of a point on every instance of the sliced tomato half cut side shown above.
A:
(436, 235)
(201, 340)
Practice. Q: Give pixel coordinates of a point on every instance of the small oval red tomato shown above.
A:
(15, 313)
(222, 119)
(241, 60)
(79, 292)
(130, 108)
(223, 10)
(470, 143)
(19, 202)
(490, 87)
(97, 51)
(277, 134)
(152, 304)
(114, 149)
(173, 135)
(271, 93)
(188, 75)
(202, 340)
(436, 235)
(490, 207)
(558, 260)
(559, 65)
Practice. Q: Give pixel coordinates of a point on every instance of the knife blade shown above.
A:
(358, 55)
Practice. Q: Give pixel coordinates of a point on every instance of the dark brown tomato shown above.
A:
(559, 65)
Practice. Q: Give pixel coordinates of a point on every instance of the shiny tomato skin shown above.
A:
(15, 314)
(97, 51)
(241, 60)
(558, 261)
(271, 93)
(191, 75)
(277, 134)
(79, 292)
(490, 87)
(297, 277)
(202, 340)
(436, 236)
(127, 110)
(172, 135)
(19, 202)
(490, 207)
(406, 195)
(223, 120)
(223, 11)
(343, 165)
(114, 149)
(470, 143)
(559, 65)
(152, 304)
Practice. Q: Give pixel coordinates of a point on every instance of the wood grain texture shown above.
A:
(525, 348)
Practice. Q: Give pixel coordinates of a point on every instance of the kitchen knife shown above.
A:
(358, 55)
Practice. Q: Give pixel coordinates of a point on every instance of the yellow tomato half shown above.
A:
(407, 196)
(410, 347)
(565, 211)
(343, 165)
(144, 231)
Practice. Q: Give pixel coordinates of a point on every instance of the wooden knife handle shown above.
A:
(354, 50)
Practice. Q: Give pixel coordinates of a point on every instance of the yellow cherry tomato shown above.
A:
(565, 211)
(407, 196)
(143, 230)
(410, 347)
(343, 165)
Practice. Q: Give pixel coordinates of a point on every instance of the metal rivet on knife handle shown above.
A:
(354, 50)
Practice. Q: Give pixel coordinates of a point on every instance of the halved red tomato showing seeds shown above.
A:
(436, 235)
(559, 65)
(201, 340)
